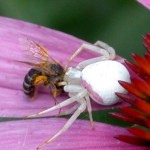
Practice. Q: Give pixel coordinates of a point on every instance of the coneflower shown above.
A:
(138, 113)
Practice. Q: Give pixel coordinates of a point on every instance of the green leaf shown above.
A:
(98, 116)
(104, 117)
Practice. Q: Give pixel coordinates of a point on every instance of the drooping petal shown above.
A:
(146, 3)
(27, 135)
(60, 46)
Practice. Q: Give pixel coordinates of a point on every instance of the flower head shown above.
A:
(138, 113)
(28, 134)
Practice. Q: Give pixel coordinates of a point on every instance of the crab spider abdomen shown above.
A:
(101, 81)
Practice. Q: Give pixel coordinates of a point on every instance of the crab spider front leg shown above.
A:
(102, 48)
(85, 63)
(106, 47)
(90, 48)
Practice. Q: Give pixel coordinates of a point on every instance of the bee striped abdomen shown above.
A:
(28, 84)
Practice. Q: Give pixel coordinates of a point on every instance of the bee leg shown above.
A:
(80, 109)
(55, 91)
(62, 104)
(39, 79)
(36, 82)
(55, 101)
(34, 95)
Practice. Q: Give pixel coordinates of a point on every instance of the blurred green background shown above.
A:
(121, 23)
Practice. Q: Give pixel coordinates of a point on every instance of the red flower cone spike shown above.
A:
(138, 113)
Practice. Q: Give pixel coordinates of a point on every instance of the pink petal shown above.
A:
(146, 3)
(61, 46)
(27, 135)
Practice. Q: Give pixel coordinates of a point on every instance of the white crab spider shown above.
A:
(95, 78)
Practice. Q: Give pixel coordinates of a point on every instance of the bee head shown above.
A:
(56, 69)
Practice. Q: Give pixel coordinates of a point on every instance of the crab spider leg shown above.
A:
(111, 50)
(80, 109)
(85, 63)
(69, 111)
(106, 47)
(89, 108)
(77, 88)
(103, 45)
(90, 48)
(62, 104)
(73, 88)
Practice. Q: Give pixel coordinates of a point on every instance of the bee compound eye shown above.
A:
(57, 69)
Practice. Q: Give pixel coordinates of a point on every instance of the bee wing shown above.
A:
(35, 52)
(38, 65)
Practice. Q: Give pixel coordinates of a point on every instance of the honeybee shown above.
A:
(45, 71)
